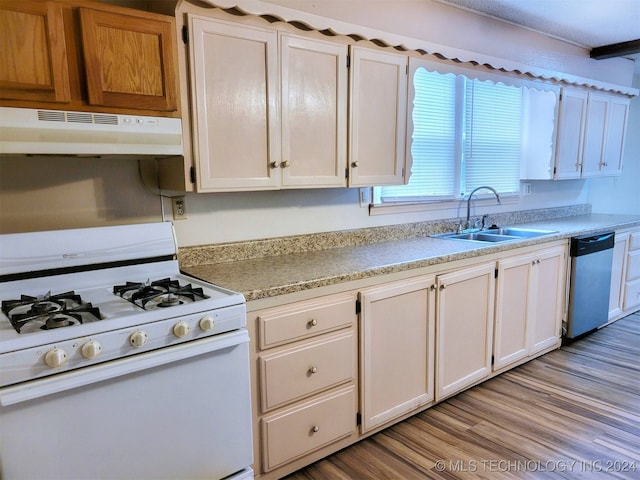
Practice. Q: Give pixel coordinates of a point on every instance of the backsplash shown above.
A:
(229, 252)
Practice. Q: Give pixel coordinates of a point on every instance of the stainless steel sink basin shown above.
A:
(520, 232)
(480, 237)
(496, 235)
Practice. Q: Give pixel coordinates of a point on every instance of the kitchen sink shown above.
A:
(495, 235)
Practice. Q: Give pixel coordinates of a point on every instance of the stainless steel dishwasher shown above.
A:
(591, 260)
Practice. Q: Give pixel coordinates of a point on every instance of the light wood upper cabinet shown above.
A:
(396, 349)
(377, 122)
(464, 328)
(129, 60)
(87, 56)
(234, 105)
(33, 57)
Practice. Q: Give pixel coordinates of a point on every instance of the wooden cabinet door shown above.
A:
(571, 121)
(396, 349)
(377, 117)
(615, 136)
(595, 134)
(129, 60)
(234, 80)
(33, 56)
(314, 112)
(513, 315)
(549, 295)
(464, 328)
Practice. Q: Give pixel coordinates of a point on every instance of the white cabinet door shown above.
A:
(549, 297)
(594, 136)
(513, 310)
(615, 136)
(618, 272)
(377, 121)
(314, 112)
(235, 105)
(396, 349)
(464, 328)
(571, 121)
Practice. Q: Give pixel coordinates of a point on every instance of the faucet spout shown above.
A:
(471, 195)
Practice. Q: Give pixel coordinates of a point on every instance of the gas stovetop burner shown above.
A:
(31, 314)
(159, 294)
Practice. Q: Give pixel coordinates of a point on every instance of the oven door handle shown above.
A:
(77, 378)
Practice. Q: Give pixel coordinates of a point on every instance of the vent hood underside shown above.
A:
(32, 131)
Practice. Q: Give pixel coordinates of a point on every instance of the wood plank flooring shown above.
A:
(573, 413)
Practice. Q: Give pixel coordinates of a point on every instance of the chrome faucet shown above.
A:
(471, 195)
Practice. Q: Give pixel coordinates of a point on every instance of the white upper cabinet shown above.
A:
(314, 112)
(591, 132)
(377, 122)
(269, 108)
(615, 136)
(234, 105)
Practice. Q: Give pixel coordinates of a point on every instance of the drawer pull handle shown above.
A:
(315, 429)
(313, 370)
(312, 323)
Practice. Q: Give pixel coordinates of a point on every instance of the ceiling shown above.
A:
(587, 23)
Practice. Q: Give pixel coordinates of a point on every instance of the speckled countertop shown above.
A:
(314, 261)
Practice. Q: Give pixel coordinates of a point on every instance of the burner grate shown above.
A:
(46, 312)
(159, 293)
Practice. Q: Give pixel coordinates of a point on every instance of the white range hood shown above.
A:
(34, 131)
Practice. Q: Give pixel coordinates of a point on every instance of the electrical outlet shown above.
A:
(526, 189)
(179, 208)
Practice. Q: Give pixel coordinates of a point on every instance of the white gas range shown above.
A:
(100, 333)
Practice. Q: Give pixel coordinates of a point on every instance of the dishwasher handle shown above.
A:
(586, 244)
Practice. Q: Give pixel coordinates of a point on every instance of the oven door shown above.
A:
(179, 412)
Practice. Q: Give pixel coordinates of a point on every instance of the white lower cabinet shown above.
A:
(374, 355)
(396, 349)
(530, 299)
(464, 328)
(631, 300)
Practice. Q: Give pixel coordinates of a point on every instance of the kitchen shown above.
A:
(78, 192)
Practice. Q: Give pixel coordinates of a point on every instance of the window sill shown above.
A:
(395, 208)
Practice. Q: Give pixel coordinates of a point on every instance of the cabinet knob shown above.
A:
(315, 428)
(273, 164)
(312, 323)
(285, 164)
(355, 164)
(313, 370)
(443, 286)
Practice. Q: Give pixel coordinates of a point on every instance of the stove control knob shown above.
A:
(138, 338)
(55, 358)
(91, 349)
(180, 329)
(206, 323)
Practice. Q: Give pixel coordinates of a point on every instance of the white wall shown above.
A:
(622, 194)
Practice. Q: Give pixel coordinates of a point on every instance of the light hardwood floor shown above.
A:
(573, 413)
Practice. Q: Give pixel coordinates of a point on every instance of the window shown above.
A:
(466, 133)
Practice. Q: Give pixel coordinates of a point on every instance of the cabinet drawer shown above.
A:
(633, 266)
(631, 295)
(310, 426)
(297, 372)
(634, 240)
(305, 319)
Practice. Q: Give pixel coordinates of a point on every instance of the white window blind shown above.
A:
(493, 126)
(466, 133)
(433, 141)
